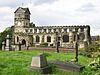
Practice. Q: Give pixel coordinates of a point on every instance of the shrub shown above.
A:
(95, 64)
(94, 47)
(90, 50)
(43, 44)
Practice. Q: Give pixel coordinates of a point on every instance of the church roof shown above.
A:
(24, 9)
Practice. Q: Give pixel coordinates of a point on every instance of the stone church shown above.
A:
(66, 35)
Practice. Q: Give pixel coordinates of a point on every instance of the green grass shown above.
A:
(18, 62)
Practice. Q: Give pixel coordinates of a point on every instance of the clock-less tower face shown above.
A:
(22, 17)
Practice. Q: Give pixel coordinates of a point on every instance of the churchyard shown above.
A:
(18, 62)
(68, 52)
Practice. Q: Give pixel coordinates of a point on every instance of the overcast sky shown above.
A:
(54, 12)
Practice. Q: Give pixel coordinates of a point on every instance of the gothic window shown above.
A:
(35, 30)
(37, 39)
(44, 30)
(65, 30)
(17, 39)
(42, 38)
(65, 38)
(74, 37)
(23, 42)
(26, 30)
(48, 39)
(31, 30)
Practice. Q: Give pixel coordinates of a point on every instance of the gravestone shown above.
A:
(85, 45)
(39, 63)
(3, 45)
(8, 43)
(67, 66)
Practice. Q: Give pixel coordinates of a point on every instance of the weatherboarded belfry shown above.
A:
(28, 36)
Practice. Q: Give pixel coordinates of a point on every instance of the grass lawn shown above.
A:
(17, 62)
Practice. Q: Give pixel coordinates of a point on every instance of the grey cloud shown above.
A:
(12, 3)
(15, 3)
(86, 8)
(39, 2)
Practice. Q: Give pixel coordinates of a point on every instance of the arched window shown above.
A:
(43, 38)
(65, 38)
(17, 39)
(37, 39)
(48, 39)
(78, 37)
(23, 42)
(74, 37)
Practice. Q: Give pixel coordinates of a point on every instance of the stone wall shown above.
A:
(29, 34)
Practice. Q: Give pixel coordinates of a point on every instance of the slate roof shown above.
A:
(25, 9)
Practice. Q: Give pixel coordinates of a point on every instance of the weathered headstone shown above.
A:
(8, 43)
(67, 66)
(13, 47)
(3, 45)
(85, 45)
(39, 63)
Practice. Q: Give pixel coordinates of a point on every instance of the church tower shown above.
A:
(22, 17)
(21, 23)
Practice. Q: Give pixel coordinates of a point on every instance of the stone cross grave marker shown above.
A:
(3, 45)
(8, 43)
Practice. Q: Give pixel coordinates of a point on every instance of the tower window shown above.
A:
(17, 39)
